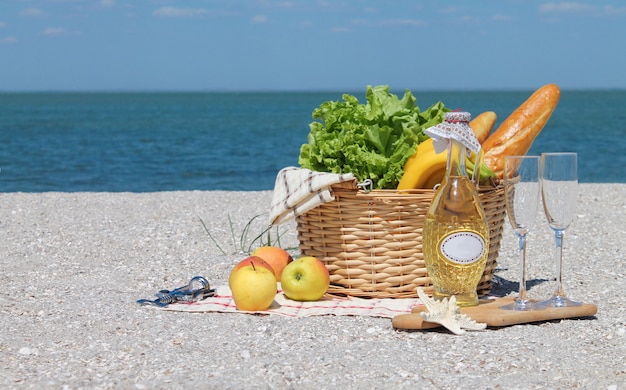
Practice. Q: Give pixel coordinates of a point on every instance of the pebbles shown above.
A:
(73, 265)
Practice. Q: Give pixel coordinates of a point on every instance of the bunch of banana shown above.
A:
(426, 168)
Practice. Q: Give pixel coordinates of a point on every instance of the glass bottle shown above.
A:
(456, 234)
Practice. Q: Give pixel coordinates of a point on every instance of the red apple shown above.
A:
(305, 279)
(277, 257)
(253, 284)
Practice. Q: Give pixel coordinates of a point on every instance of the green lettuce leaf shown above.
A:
(371, 140)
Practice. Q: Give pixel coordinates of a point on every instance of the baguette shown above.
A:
(483, 124)
(516, 134)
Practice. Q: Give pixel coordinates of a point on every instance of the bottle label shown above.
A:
(462, 247)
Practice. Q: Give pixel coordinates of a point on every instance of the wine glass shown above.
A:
(521, 191)
(559, 187)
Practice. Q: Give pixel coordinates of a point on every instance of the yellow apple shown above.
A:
(305, 279)
(277, 257)
(253, 284)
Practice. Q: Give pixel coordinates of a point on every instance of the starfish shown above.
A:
(447, 313)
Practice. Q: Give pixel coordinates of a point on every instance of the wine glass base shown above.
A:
(521, 305)
(558, 301)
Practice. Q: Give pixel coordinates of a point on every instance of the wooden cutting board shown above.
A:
(489, 312)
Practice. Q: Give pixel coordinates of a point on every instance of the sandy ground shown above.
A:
(73, 265)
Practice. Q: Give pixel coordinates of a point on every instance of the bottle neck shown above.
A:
(456, 159)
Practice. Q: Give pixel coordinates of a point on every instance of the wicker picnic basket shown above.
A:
(371, 241)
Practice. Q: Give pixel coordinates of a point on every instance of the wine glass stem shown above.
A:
(522, 284)
(558, 237)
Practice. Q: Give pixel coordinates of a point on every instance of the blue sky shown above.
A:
(146, 45)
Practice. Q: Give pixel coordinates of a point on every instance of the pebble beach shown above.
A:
(73, 266)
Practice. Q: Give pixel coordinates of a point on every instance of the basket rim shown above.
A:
(352, 187)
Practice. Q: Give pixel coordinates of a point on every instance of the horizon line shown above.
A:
(324, 90)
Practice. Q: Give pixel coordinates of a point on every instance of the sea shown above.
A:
(238, 141)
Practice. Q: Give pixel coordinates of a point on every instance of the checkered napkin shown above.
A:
(223, 302)
(298, 190)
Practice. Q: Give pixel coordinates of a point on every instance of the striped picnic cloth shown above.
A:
(223, 302)
(298, 190)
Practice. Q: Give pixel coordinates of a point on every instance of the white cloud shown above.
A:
(360, 22)
(54, 31)
(284, 4)
(341, 29)
(259, 19)
(581, 8)
(9, 39)
(107, 3)
(388, 22)
(174, 12)
(610, 10)
(450, 10)
(32, 11)
(565, 6)
(502, 18)
(403, 22)
(58, 31)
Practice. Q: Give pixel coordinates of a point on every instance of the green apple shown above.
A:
(305, 279)
(253, 284)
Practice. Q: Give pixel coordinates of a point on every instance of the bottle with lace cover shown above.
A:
(456, 234)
